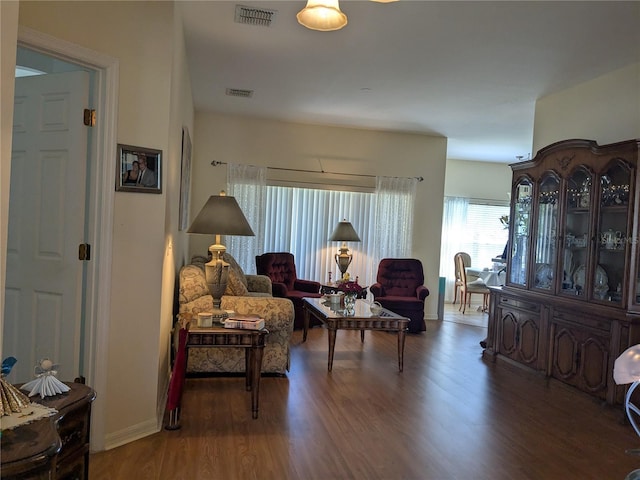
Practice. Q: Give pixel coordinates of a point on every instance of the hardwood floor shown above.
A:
(451, 414)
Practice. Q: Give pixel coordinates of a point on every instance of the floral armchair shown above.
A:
(278, 315)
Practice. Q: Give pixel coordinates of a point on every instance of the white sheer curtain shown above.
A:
(300, 221)
(395, 199)
(247, 183)
(453, 235)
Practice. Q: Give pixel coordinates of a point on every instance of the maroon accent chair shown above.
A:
(400, 288)
(280, 267)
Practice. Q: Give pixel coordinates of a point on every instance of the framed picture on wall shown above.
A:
(138, 169)
(185, 180)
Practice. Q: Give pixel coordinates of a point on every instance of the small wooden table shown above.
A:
(336, 318)
(252, 341)
(52, 447)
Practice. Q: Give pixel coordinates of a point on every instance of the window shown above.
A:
(300, 220)
(486, 237)
(474, 227)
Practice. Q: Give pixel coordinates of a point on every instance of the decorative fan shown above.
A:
(13, 400)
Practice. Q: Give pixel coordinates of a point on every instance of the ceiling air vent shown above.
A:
(237, 92)
(254, 16)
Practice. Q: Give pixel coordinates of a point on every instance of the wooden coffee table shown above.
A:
(336, 318)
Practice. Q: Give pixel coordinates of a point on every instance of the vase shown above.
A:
(350, 303)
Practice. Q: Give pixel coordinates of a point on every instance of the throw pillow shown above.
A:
(233, 265)
(193, 284)
(235, 286)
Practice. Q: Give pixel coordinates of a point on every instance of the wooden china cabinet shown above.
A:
(571, 302)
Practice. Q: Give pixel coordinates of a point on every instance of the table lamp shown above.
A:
(221, 215)
(344, 233)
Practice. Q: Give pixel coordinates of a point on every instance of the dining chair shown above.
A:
(468, 288)
(458, 280)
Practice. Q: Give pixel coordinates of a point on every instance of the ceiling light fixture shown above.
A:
(325, 15)
(322, 15)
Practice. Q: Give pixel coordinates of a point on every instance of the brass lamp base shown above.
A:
(217, 275)
(343, 259)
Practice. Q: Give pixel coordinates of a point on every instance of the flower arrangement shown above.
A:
(350, 287)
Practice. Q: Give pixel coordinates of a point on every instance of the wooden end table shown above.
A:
(252, 341)
(336, 318)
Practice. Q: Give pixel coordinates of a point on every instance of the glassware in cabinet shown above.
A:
(522, 195)
(612, 234)
(577, 218)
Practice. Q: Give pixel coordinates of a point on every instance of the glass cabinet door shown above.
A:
(613, 231)
(575, 253)
(546, 233)
(520, 232)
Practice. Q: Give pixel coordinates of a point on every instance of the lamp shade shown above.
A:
(221, 215)
(344, 232)
(323, 15)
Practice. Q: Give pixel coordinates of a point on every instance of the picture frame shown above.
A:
(185, 181)
(147, 180)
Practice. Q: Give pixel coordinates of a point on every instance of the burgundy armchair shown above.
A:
(400, 288)
(280, 267)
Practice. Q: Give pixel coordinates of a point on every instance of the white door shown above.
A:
(43, 303)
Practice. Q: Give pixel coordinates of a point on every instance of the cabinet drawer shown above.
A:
(73, 469)
(583, 320)
(73, 429)
(519, 304)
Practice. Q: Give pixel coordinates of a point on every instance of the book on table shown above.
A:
(249, 322)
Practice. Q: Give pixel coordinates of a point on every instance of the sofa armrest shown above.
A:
(377, 290)
(259, 283)
(278, 313)
(279, 289)
(200, 304)
(306, 286)
(422, 292)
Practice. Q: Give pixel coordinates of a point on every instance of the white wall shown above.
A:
(606, 109)
(480, 180)
(154, 103)
(175, 242)
(272, 143)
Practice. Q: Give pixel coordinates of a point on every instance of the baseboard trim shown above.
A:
(132, 433)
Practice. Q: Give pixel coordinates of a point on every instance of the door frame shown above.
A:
(100, 194)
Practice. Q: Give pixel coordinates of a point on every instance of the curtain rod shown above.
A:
(215, 163)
